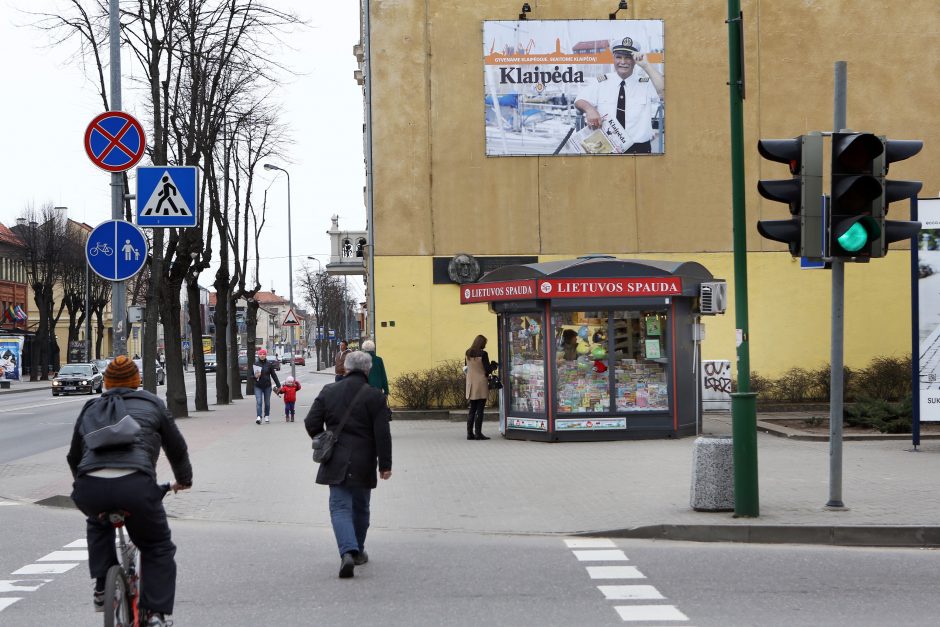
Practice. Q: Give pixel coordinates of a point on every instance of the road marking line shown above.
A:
(8, 503)
(650, 612)
(65, 556)
(632, 593)
(14, 585)
(7, 602)
(590, 543)
(615, 572)
(615, 555)
(78, 544)
(45, 569)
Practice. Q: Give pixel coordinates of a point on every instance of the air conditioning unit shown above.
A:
(713, 298)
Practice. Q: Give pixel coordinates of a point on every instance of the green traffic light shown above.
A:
(854, 239)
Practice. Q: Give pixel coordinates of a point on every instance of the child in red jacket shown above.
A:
(289, 390)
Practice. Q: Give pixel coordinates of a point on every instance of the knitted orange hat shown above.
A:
(122, 373)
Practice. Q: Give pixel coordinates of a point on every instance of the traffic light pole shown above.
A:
(836, 359)
(743, 405)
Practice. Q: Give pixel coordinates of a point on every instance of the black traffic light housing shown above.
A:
(860, 194)
(803, 231)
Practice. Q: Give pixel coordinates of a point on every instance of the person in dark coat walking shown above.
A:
(111, 476)
(364, 441)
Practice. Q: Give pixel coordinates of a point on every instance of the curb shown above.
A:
(796, 434)
(880, 536)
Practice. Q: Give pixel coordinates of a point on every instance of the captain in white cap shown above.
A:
(626, 96)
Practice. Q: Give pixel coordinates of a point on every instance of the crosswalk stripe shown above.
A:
(45, 569)
(615, 555)
(649, 612)
(22, 585)
(65, 556)
(6, 602)
(632, 593)
(590, 543)
(78, 544)
(615, 572)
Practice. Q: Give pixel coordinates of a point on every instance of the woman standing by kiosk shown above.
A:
(479, 367)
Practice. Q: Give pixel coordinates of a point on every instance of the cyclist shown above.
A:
(111, 474)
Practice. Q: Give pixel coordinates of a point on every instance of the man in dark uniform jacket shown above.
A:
(364, 442)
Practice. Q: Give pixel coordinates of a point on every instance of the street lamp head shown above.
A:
(269, 166)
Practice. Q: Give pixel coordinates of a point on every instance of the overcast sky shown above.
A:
(48, 102)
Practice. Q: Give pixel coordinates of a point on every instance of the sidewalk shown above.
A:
(442, 482)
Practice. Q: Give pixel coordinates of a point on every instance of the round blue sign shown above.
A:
(116, 250)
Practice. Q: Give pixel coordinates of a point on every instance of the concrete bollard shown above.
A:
(713, 474)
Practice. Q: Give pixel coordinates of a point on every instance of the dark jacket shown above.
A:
(377, 377)
(268, 372)
(157, 429)
(364, 438)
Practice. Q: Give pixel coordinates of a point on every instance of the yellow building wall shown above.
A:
(437, 194)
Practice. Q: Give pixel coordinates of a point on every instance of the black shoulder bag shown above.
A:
(323, 443)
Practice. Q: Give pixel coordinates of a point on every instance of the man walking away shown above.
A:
(363, 443)
(338, 362)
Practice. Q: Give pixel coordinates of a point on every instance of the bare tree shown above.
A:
(42, 233)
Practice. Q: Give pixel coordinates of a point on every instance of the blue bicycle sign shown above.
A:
(116, 250)
(101, 247)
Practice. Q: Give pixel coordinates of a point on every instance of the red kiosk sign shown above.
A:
(530, 289)
(600, 288)
(500, 290)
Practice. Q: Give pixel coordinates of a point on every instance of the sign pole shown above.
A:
(118, 295)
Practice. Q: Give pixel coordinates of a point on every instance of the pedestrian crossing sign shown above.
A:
(166, 196)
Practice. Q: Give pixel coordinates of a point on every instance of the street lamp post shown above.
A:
(290, 266)
(316, 313)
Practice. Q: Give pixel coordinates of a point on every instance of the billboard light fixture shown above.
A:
(525, 9)
(622, 6)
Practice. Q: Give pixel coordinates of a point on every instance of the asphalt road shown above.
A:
(249, 574)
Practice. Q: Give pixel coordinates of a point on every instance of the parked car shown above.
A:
(243, 367)
(78, 379)
(286, 357)
(210, 362)
(161, 373)
(300, 361)
(102, 364)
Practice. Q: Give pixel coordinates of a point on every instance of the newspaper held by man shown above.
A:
(608, 139)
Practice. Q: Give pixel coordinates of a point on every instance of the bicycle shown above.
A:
(122, 583)
(101, 247)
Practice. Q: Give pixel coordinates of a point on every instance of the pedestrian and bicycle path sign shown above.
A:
(166, 196)
(116, 250)
(115, 141)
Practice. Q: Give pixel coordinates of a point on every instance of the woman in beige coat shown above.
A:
(479, 368)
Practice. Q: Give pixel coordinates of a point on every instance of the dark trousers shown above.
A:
(147, 526)
(640, 148)
(475, 419)
(349, 513)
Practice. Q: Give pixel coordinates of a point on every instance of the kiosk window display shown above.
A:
(596, 348)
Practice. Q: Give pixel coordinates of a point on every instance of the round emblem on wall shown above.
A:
(463, 268)
(545, 288)
(466, 293)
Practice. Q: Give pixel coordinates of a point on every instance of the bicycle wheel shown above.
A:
(117, 607)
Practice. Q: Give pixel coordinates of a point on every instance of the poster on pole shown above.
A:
(11, 358)
(928, 311)
(574, 87)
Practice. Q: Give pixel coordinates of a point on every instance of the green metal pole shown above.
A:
(743, 406)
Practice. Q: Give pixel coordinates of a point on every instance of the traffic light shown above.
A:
(897, 230)
(856, 212)
(858, 230)
(803, 231)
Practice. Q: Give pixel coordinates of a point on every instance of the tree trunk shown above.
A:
(173, 347)
(100, 338)
(196, 331)
(222, 392)
(251, 321)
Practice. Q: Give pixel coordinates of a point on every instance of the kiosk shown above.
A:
(599, 348)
